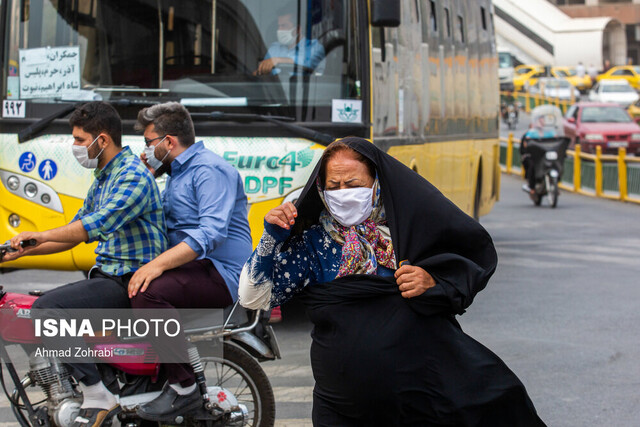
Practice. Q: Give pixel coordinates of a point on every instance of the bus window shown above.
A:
(433, 17)
(202, 53)
(447, 21)
(461, 29)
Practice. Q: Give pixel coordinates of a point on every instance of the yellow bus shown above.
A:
(417, 77)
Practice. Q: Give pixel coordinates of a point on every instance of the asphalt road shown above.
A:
(561, 311)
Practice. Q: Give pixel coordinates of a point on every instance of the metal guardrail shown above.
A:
(610, 176)
(530, 101)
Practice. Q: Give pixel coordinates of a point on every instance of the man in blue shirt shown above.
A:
(206, 212)
(292, 48)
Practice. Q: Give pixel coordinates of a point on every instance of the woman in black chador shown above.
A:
(384, 262)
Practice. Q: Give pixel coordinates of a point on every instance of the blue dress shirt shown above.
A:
(205, 206)
(308, 53)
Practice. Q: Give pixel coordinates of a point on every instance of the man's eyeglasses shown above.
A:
(149, 141)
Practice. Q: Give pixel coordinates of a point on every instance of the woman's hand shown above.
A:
(283, 216)
(413, 281)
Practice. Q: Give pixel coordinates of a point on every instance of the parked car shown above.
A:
(526, 75)
(583, 84)
(629, 73)
(552, 87)
(618, 91)
(634, 111)
(607, 125)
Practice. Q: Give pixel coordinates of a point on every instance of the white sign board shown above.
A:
(49, 72)
(346, 110)
(13, 109)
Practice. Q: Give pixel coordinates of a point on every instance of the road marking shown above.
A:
(294, 422)
(293, 394)
(288, 371)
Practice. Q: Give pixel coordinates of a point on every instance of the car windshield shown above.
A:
(561, 73)
(617, 89)
(605, 115)
(571, 72)
(282, 57)
(505, 60)
(637, 69)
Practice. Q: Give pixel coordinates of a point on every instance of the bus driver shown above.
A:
(292, 48)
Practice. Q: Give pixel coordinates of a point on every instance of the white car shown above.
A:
(555, 88)
(616, 91)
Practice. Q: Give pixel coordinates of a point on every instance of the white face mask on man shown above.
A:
(350, 206)
(286, 37)
(81, 153)
(150, 153)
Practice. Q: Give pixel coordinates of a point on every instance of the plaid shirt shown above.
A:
(123, 213)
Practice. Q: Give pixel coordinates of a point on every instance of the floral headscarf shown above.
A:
(365, 245)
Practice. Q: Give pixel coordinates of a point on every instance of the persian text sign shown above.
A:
(48, 72)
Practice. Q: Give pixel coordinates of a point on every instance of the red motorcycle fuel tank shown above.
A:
(15, 318)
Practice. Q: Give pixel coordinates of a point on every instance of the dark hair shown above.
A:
(343, 145)
(170, 118)
(287, 10)
(97, 117)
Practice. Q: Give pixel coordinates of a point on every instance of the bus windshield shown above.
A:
(285, 57)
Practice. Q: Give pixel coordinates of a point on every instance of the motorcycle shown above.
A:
(509, 115)
(546, 146)
(235, 389)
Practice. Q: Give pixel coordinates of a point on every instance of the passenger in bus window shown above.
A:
(384, 262)
(123, 213)
(209, 237)
(292, 48)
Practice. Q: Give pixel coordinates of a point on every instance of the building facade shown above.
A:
(625, 11)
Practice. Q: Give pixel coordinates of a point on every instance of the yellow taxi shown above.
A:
(630, 73)
(581, 83)
(526, 75)
(634, 111)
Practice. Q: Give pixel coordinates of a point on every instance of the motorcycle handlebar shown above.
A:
(25, 243)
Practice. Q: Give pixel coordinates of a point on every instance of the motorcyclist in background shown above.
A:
(539, 129)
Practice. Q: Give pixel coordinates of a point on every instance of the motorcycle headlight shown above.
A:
(551, 155)
(635, 136)
(593, 137)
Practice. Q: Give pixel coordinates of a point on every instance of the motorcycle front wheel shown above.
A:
(243, 376)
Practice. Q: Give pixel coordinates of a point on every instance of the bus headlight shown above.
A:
(13, 182)
(30, 190)
(14, 220)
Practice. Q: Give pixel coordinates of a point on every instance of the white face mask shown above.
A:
(350, 206)
(81, 154)
(150, 152)
(286, 37)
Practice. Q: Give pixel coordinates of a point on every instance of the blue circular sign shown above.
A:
(27, 161)
(47, 169)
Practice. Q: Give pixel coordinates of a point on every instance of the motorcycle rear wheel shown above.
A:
(243, 376)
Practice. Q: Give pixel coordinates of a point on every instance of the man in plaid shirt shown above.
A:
(123, 213)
